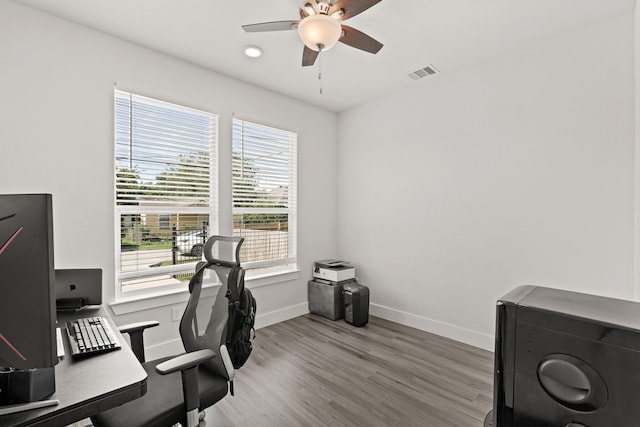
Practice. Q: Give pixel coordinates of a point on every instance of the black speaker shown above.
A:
(566, 359)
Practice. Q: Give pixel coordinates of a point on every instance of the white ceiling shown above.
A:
(448, 34)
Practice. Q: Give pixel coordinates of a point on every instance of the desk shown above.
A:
(89, 385)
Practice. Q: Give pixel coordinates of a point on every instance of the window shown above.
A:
(166, 194)
(264, 196)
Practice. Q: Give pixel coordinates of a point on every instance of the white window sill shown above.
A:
(257, 280)
(180, 296)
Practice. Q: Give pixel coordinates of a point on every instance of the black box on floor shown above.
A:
(356, 304)
(326, 299)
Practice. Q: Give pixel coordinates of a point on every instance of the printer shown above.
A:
(334, 270)
(335, 293)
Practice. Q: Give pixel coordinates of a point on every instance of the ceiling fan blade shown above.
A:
(352, 7)
(309, 56)
(270, 26)
(359, 40)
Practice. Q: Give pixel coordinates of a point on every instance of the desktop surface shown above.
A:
(88, 385)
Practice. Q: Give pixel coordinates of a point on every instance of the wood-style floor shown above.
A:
(311, 371)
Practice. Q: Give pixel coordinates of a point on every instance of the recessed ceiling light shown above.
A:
(253, 51)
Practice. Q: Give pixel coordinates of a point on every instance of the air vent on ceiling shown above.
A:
(429, 70)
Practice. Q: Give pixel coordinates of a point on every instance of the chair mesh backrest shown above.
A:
(222, 254)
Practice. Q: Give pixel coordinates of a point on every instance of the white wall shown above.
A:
(56, 136)
(516, 171)
(637, 152)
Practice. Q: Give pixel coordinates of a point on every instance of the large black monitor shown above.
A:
(566, 359)
(27, 292)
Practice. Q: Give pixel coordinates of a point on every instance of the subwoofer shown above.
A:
(565, 359)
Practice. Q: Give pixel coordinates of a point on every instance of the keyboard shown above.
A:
(91, 335)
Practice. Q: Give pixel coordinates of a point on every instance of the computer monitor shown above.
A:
(27, 292)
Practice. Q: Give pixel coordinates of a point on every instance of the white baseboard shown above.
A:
(164, 349)
(281, 315)
(167, 348)
(467, 336)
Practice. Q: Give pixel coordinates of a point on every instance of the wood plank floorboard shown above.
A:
(311, 371)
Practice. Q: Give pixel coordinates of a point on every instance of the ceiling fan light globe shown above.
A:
(319, 32)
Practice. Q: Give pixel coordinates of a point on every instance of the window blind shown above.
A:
(163, 153)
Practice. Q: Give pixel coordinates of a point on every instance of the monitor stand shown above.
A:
(18, 386)
(69, 304)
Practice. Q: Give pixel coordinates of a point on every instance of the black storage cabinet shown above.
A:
(356, 304)
(326, 298)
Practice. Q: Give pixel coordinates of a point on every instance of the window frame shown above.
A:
(260, 271)
(210, 211)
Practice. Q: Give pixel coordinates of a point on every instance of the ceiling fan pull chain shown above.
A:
(320, 71)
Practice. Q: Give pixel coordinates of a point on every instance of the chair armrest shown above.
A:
(187, 364)
(136, 337)
(184, 361)
(226, 361)
(139, 326)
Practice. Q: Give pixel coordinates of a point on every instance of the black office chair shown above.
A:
(207, 370)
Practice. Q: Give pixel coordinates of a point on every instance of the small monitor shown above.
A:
(78, 287)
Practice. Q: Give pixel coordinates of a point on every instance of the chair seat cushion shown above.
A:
(163, 404)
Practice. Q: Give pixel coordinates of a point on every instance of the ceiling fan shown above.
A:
(320, 27)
